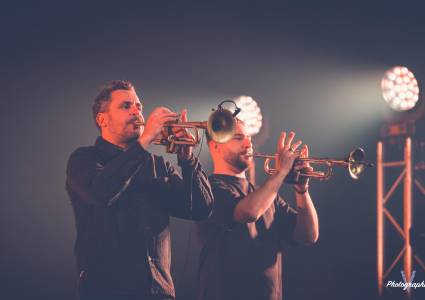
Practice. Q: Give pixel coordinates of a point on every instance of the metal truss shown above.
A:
(406, 177)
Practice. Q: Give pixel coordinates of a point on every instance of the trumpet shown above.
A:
(355, 164)
(220, 126)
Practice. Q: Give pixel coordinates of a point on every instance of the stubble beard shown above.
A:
(235, 160)
(133, 135)
(129, 134)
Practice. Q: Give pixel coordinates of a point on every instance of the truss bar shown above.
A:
(394, 164)
(394, 186)
(380, 217)
(420, 166)
(395, 262)
(420, 262)
(407, 209)
(395, 224)
(420, 186)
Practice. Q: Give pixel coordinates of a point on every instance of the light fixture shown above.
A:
(250, 114)
(400, 88)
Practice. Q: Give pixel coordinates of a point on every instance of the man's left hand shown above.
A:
(183, 152)
(302, 186)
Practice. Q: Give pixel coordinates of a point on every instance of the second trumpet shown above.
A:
(354, 163)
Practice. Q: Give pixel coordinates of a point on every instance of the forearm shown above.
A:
(307, 225)
(197, 190)
(253, 206)
(187, 198)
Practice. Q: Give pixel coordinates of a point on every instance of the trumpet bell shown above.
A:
(356, 164)
(221, 125)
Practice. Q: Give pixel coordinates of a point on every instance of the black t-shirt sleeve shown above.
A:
(226, 199)
(286, 218)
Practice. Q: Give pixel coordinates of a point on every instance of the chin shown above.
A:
(242, 166)
(246, 160)
(137, 132)
(133, 137)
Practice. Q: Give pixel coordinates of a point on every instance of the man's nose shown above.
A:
(135, 110)
(247, 142)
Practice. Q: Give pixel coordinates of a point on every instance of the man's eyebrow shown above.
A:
(128, 101)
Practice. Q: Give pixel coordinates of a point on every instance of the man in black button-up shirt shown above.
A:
(123, 196)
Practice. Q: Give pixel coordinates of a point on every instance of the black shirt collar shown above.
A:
(228, 177)
(242, 184)
(108, 149)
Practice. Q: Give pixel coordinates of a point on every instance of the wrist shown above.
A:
(282, 173)
(301, 190)
(144, 141)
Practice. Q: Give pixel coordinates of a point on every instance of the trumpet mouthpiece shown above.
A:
(139, 123)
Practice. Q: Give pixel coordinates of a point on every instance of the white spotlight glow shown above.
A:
(400, 88)
(250, 114)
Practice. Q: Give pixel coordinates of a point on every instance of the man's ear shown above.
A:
(102, 120)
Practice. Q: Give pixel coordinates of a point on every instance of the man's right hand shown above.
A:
(286, 153)
(155, 124)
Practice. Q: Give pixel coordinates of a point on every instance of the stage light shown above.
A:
(250, 114)
(400, 88)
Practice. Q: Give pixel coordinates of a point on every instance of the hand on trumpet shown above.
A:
(301, 166)
(155, 124)
(184, 152)
(286, 158)
(286, 153)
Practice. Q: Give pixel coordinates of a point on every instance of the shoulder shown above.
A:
(83, 151)
(82, 154)
(218, 182)
(221, 184)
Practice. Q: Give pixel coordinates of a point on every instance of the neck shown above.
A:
(225, 169)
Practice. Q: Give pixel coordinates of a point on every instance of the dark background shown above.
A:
(313, 67)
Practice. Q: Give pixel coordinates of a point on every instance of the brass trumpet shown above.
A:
(220, 126)
(354, 163)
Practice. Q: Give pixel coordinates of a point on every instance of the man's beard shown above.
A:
(132, 138)
(128, 135)
(133, 134)
(235, 160)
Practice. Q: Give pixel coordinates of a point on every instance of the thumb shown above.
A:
(184, 115)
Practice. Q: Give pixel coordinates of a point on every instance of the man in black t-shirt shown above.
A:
(241, 256)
